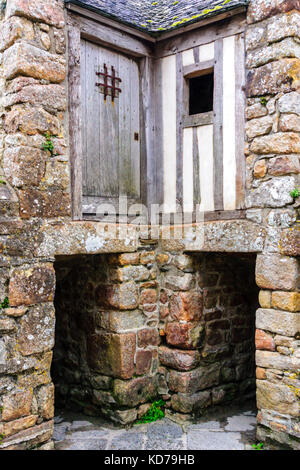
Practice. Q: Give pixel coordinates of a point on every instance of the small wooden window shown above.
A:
(201, 94)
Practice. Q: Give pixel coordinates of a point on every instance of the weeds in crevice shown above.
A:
(155, 413)
(258, 446)
(5, 303)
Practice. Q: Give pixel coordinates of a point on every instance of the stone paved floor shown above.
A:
(231, 430)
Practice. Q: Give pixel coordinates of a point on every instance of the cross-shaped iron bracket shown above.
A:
(114, 81)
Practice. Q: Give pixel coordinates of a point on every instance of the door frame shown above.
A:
(80, 27)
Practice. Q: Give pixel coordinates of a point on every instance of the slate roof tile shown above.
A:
(159, 15)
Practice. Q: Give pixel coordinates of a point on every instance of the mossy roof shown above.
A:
(155, 16)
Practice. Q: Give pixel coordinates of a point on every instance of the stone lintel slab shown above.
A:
(87, 237)
(235, 236)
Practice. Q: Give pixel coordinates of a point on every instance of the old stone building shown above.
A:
(187, 109)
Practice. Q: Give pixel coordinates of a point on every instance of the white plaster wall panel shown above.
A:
(229, 124)
(188, 170)
(206, 167)
(169, 131)
(188, 57)
(207, 52)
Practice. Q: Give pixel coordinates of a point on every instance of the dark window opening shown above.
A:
(201, 94)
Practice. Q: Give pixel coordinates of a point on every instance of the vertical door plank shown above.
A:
(75, 112)
(124, 101)
(92, 123)
(84, 116)
(135, 129)
(109, 133)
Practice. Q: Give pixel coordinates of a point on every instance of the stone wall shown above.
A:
(175, 313)
(34, 186)
(272, 151)
(139, 326)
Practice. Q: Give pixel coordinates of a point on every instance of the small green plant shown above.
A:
(48, 146)
(2, 436)
(155, 413)
(259, 446)
(2, 181)
(5, 303)
(263, 101)
(295, 193)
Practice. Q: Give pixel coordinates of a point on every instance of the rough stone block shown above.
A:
(32, 285)
(289, 123)
(289, 103)
(57, 174)
(177, 283)
(132, 273)
(279, 143)
(25, 59)
(259, 126)
(49, 12)
(118, 322)
(224, 394)
(265, 298)
(148, 337)
(36, 332)
(284, 165)
(31, 121)
(13, 427)
(279, 76)
(277, 272)
(195, 380)
(16, 405)
(282, 26)
(275, 360)
(276, 397)
(45, 398)
(186, 306)
(143, 362)
(286, 48)
(45, 204)
(191, 403)
(149, 296)
(14, 29)
(177, 359)
(184, 335)
(286, 301)
(112, 354)
(18, 164)
(29, 438)
(272, 193)
(133, 392)
(51, 97)
(260, 169)
(255, 36)
(277, 321)
(262, 9)
(123, 296)
(264, 341)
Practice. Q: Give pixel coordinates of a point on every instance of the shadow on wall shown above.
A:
(128, 331)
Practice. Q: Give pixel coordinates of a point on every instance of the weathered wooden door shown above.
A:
(110, 128)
